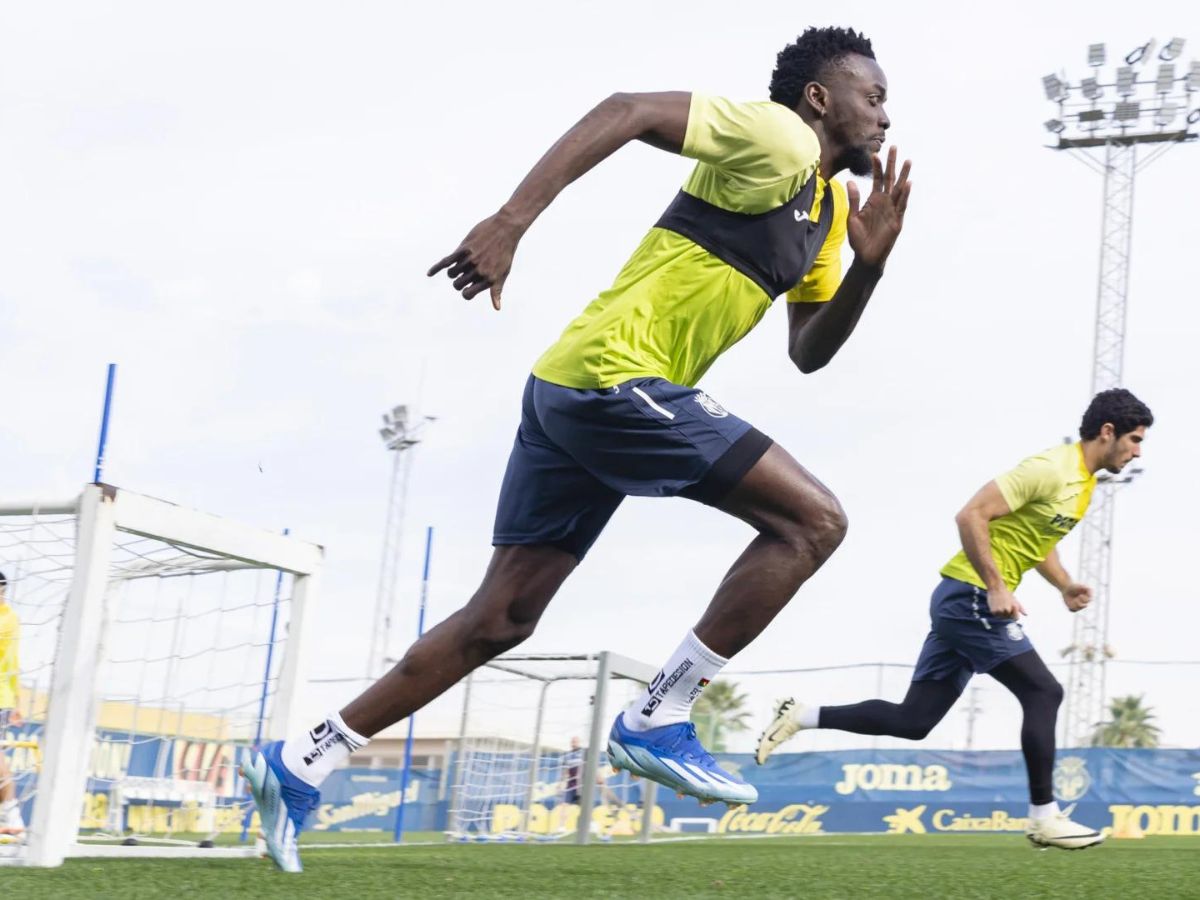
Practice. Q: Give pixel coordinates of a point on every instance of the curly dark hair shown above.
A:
(1118, 406)
(805, 60)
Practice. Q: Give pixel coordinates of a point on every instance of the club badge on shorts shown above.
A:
(709, 405)
(1014, 632)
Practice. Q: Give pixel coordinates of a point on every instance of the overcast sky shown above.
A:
(236, 202)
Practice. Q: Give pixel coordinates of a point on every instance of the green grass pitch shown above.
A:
(924, 866)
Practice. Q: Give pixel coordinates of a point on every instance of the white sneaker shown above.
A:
(1059, 831)
(785, 723)
(11, 823)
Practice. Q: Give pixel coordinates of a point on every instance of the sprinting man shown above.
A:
(611, 409)
(11, 822)
(1010, 526)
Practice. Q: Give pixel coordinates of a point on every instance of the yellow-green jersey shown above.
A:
(680, 301)
(9, 663)
(1047, 494)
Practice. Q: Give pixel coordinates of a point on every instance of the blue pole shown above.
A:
(108, 394)
(266, 680)
(398, 834)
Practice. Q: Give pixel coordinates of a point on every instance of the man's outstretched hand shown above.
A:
(484, 258)
(873, 229)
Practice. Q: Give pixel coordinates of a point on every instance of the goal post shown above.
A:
(167, 659)
(531, 762)
(609, 666)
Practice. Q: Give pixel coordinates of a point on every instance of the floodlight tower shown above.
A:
(399, 436)
(1149, 103)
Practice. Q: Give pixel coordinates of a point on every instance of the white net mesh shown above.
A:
(189, 667)
(36, 561)
(520, 767)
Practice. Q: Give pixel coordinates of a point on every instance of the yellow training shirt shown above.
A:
(675, 307)
(1047, 493)
(9, 667)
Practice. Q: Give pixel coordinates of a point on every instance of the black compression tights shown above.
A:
(927, 702)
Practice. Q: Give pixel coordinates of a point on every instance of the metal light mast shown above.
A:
(1103, 123)
(399, 435)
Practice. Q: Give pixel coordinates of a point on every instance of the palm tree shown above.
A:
(1128, 724)
(718, 712)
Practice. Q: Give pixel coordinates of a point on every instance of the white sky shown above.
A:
(237, 203)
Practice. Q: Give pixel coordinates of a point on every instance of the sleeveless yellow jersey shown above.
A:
(1048, 493)
(675, 307)
(9, 667)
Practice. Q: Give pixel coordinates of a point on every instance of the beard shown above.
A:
(859, 160)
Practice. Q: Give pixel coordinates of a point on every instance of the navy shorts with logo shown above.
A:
(964, 636)
(579, 453)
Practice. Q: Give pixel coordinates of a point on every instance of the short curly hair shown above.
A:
(1118, 406)
(805, 60)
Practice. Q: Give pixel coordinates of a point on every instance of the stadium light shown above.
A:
(1107, 131)
(1125, 81)
(1055, 87)
(1146, 92)
(1127, 111)
(1172, 50)
(1137, 54)
(399, 435)
(1165, 78)
(1164, 116)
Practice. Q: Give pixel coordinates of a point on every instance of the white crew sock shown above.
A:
(808, 717)
(316, 753)
(669, 698)
(10, 814)
(1043, 810)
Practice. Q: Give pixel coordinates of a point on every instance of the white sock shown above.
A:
(10, 814)
(809, 717)
(316, 753)
(669, 698)
(1043, 810)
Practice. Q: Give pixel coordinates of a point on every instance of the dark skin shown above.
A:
(799, 523)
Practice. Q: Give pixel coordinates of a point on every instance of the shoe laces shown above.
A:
(688, 744)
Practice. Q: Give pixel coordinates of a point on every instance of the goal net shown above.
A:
(157, 646)
(531, 764)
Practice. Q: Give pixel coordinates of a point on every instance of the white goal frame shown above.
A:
(608, 666)
(101, 511)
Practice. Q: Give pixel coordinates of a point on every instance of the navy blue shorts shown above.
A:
(579, 453)
(964, 636)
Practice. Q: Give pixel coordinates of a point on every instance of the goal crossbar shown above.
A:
(100, 512)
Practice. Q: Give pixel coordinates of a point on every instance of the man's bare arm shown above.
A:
(484, 258)
(816, 335)
(972, 520)
(1076, 596)
(1051, 568)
